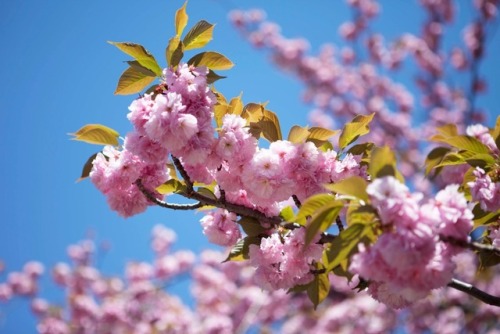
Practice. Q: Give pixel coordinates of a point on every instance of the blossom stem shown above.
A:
(474, 292)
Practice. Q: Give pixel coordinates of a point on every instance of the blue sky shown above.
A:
(58, 73)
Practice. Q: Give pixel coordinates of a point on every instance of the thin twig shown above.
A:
(296, 201)
(474, 292)
(163, 204)
(340, 226)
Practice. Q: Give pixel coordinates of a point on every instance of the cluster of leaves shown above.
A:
(466, 150)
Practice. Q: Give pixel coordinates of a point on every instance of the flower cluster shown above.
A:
(284, 261)
(409, 260)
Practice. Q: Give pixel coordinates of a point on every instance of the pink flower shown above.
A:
(454, 212)
(221, 228)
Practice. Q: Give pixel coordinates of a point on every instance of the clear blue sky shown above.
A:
(58, 73)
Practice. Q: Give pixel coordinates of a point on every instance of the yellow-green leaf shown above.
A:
(253, 112)
(206, 192)
(463, 143)
(346, 243)
(236, 105)
(353, 186)
(313, 204)
(434, 158)
(139, 53)
(270, 126)
(96, 134)
(298, 134)
(383, 163)
(361, 149)
(240, 251)
(321, 134)
(318, 289)
(174, 52)
(199, 35)
(287, 214)
(171, 186)
(132, 81)
(322, 220)
(181, 20)
(448, 130)
(137, 66)
(360, 214)
(252, 227)
(495, 133)
(220, 110)
(212, 60)
(353, 130)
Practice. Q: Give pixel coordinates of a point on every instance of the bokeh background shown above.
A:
(57, 73)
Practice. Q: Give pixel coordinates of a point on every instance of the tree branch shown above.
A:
(474, 292)
(221, 202)
(163, 204)
(472, 245)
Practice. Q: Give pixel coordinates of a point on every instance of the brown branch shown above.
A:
(474, 292)
(221, 202)
(338, 221)
(296, 201)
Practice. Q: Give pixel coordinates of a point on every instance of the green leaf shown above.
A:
(171, 186)
(496, 132)
(287, 214)
(181, 20)
(313, 204)
(485, 161)
(298, 134)
(448, 130)
(132, 81)
(252, 227)
(212, 60)
(206, 192)
(346, 243)
(96, 134)
(87, 167)
(174, 52)
(482, 217)
(137, 66)
(198, 36)
(139, 53)
(321, 134)
(434, 158)
(353, 130)
(451, 159)
(360, 214)
(383, 163)
(240, 251)
(322, 220)
(318, 289)
(353, 186)
(462, 143)
(361, 149)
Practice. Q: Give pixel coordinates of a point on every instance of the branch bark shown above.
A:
(474, 292)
